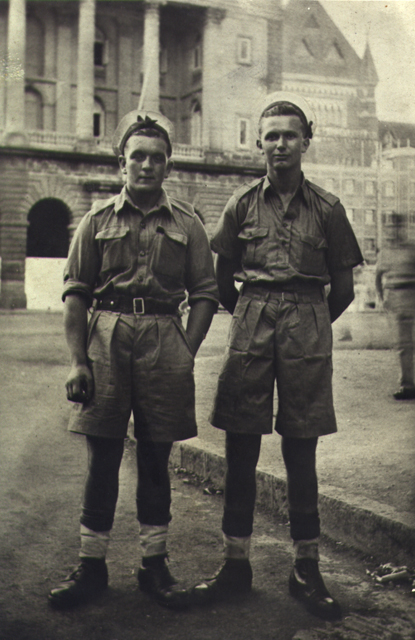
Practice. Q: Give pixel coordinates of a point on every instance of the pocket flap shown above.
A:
(315, 241)
(111, 233)
(253, 234)
(173, 235)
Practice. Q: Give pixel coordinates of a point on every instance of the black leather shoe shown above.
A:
(233, 579)
(307, 585)
(157, 581)
(405, 393)
(88, 581)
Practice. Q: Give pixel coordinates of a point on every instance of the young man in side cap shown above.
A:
(134, 256)
(284, 239)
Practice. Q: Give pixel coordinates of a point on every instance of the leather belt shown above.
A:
(137, 306)
(268, 292)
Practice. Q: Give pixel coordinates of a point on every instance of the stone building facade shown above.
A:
(72, 69)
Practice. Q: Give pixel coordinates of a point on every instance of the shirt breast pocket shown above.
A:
(168, 255)
(313, 255)
(254, 246)
(114, 248)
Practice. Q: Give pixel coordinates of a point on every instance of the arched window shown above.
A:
(48, 234)
(196, 125)
(33, 109)
(35, 48)
(99, 119)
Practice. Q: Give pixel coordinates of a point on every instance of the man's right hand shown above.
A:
(80, 384)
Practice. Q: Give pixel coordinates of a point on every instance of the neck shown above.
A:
(145, 200)
(285, 182)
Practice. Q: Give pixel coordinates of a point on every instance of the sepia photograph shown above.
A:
(207, 320)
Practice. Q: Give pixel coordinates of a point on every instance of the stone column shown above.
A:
(15, 81)
(150, 90)
(211, 95)
(63, 88)
(85, 76)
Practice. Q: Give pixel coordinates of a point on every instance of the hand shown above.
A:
(80, 384)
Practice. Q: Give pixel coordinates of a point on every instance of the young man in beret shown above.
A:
(284, 239)
(135, 256)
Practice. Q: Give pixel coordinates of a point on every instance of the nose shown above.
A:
(147, 164)
(281, 143)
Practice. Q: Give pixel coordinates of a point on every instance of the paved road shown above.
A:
(42, 469)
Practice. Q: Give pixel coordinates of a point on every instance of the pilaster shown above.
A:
(150, 91)
(15, 77)
(85, 70)
(212, 35)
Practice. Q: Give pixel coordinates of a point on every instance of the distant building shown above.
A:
(72, 69)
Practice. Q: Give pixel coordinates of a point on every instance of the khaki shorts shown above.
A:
(141, 364)
(272, 339)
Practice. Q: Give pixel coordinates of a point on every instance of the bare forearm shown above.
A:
(338, 304)
(198, 323)
(341, 293)
(76, 328)
(228, 293)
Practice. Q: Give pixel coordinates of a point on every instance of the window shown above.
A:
(98, 119)
(33, 109)
(243, 133)
(369, 188)
(244, 50)
(389, 189)
(164, 62)
(349, 186)
(197, 54)
(369, 245)
(35, 48)
(100, 49)
(370, 216)
(196, 125)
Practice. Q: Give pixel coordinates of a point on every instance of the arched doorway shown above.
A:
(46, 250)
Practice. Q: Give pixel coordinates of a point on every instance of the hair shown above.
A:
(151, 132)
(287, 109)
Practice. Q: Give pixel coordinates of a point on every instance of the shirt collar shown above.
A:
(123, 199)
(302, 189)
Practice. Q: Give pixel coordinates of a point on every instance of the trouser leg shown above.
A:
(406, 350)
(300, 461)
(101, 493)
(242, 453)
(153, 496)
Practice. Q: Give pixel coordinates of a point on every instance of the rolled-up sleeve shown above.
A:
(343, 249)
(82, 266)
(225, 237)
(200, 274)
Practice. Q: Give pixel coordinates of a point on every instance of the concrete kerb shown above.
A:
(365, 525)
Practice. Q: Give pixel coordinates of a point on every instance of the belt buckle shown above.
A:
(141, 310)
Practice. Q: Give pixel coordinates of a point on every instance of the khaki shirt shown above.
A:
(308, 242)
(118, 250)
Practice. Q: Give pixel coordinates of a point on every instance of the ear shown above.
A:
(169, 167)
(121, 162)
(259, 144)
(305, 144)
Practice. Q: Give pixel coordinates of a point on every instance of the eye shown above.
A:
(139, 157)
(271, 137)
(158, 158)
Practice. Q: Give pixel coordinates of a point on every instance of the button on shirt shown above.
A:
(161, 254)
(308, 242)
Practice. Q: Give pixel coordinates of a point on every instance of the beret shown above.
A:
(286, 96)
(136, 120)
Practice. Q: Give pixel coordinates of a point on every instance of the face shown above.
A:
(145, 164)
(282, 142)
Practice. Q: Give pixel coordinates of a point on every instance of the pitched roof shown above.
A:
(313, 44)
